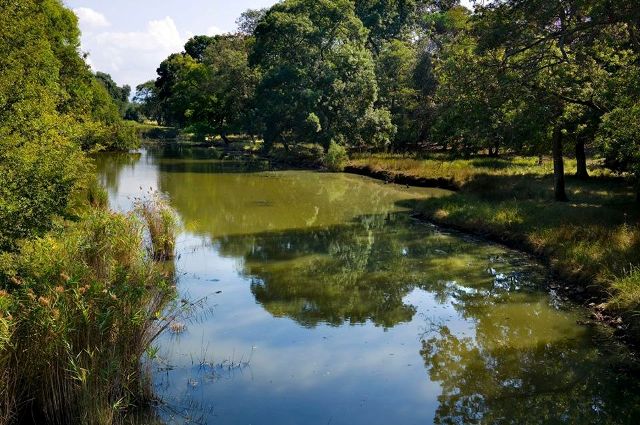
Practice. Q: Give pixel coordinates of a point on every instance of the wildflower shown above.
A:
(31, 295)
(44, 302)
(65, 277)
(59, 289)
(82, 290)
(15, 281)
(114, 297)
(3, 293)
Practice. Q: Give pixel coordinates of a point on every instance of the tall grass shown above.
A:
(86, 303)
(7, 399)
(162, 223)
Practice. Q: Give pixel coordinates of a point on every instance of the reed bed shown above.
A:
(79, 310)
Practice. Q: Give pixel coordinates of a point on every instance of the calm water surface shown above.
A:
(326, 303)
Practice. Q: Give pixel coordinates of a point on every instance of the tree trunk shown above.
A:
(581, 158)
(225, 139)
(558, 166)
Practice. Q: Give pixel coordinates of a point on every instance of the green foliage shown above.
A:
(329, 73)
(119, 95)
(249, 20)
(147, 101)
(197, 46)
(386, 19)
(336, 157)
(619, 137)
(38, 179)
(58, 109)
(395, 69)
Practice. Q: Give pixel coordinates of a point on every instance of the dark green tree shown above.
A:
(318, 79)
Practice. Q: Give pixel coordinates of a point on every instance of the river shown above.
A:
(322, 301)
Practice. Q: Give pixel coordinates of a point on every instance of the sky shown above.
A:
(129, 38)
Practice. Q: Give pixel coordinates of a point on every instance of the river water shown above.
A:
(322, 301)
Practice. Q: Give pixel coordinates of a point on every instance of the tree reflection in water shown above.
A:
(342, 250)
(513, 372)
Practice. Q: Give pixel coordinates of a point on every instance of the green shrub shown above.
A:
(38, 179)
(336, 157)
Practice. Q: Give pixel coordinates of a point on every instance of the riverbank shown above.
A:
(592, 242)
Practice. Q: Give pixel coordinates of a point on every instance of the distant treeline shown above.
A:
(531, 77)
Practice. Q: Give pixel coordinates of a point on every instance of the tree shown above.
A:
(567, 52)
(50, 107)
(249, 20)
(168, 72)
(147, 98)
(619, 137)
(395, 70)
(318, 79)
(386, 20)
(197, 45)
(120, 95)
(224, 88)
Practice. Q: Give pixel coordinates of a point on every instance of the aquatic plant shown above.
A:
(162, 225)
(87, 302)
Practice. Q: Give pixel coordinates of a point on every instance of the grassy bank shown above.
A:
(79, 308)
(593, 241)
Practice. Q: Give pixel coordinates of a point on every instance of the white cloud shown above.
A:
(132, 56)
(90, 19)
(159, 35)
(214, 31)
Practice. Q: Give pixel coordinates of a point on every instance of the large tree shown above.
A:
(318, 79)
(551, 47)
(50, 106)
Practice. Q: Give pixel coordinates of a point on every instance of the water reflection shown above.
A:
(564, 381)
(354, 313)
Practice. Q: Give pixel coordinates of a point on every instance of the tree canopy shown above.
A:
(59, 108)
(510, 76)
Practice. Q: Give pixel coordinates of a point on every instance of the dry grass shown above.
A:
(162, 225)
(464, 171)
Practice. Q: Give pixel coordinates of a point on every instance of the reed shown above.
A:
(87, 302)
(162, 225)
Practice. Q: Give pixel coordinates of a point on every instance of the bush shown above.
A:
(38, 179)
(336, 157)
(86, 304)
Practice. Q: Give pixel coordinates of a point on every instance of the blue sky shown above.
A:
(129, 38)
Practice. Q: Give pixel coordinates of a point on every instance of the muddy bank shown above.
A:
(391, 177)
